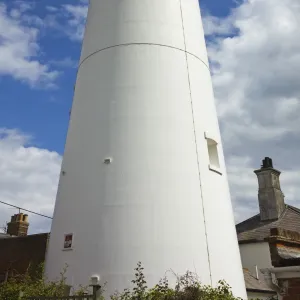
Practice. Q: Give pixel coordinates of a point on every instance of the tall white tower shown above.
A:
(143, 175)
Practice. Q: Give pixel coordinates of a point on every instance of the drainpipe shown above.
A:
(271, 279)
(256, 272)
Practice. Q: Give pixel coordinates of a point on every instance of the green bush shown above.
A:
(33, 283)
(188, 287)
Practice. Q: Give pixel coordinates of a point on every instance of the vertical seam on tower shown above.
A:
(195, 137)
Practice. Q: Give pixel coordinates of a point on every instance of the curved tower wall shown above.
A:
(136, 183)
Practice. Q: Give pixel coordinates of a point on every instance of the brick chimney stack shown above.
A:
(270, 196)
(18, 225)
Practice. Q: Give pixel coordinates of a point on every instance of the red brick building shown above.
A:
(18, 250)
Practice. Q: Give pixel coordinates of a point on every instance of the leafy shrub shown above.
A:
(33, 283)
(188, 287)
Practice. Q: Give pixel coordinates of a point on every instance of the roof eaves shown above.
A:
(241, 223)
(261, 291)
(251, 241)
(295, 209)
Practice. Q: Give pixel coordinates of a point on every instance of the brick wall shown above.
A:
(292, 289)
(17, 253)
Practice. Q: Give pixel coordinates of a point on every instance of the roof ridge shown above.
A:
(247, 220)
(295, 209)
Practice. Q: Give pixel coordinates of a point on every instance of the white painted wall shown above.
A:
(255, 254)
(144, 98)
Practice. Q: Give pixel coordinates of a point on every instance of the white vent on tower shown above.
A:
(108, 160)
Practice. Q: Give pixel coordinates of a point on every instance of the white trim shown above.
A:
(211, 137)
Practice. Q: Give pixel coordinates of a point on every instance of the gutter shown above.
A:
(283, 272)
(273, 274)
(284, 269)
(261, 291)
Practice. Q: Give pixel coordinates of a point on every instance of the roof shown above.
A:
(254, 284)
(4, 235)
(255, 230)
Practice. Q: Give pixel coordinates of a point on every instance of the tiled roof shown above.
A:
(252, 283)
(254, 229)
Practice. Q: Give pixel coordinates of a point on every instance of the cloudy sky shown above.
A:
(255, 62)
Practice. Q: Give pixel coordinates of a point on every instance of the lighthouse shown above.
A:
(143, 175)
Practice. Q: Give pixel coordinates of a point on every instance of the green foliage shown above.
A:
(187, 287)
(33, 283)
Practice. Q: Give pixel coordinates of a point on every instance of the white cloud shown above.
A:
(29, 178)
(52, 8)
(19, 49)
(67, 62)
(255, 75)
(68, 19)
(216, 26)
(77, 15)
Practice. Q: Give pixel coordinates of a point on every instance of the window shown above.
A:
(213, 154)
(68, 241)
(212, 147)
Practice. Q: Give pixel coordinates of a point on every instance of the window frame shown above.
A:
(212, 146)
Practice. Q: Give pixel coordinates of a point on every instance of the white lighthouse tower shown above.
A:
(143, 175)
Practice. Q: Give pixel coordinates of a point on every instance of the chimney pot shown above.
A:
(267, 163)
(25, 218)
(18, 226)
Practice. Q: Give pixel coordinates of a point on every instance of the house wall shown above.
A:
(255, 254)
(17, 253)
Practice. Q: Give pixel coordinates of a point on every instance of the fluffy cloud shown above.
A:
(255, 65)
(68, 19)
(77, 15)
(29, 178)
(255, 75)
(19, 48)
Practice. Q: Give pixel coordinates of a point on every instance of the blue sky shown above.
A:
(39, 111)
(255, 65)
(44, 112)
